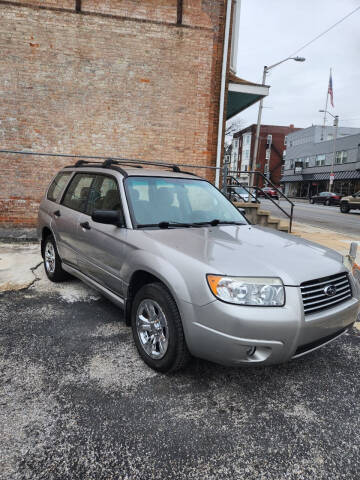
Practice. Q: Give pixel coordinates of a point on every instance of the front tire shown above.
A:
(344, 207)
(157, 329)
(327, 203)
(312, 201)
(52, 261)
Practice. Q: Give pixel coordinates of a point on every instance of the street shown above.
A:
(319, 216)
(77, 402)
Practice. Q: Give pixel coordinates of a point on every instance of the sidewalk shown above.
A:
(337, 241)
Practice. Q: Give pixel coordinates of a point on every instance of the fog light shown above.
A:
(250, 352)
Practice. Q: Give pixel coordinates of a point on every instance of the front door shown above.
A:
(101, 246)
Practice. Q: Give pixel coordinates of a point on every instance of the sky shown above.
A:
(271, 30)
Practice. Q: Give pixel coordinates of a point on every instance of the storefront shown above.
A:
(306, 185)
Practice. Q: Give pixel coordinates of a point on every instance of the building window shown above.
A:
(307, 162)
(285, 140)
(320, 160)
(246, 139)
(341, 157)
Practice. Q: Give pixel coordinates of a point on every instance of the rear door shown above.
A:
(101, 246)
(66, 218)
(51, 211)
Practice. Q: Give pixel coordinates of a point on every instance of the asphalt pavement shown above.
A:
(317, 215)
(78, 403)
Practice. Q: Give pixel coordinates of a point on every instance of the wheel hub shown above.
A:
(50, 257)
(152, 328)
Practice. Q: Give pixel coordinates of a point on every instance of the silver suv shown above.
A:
(191, 274)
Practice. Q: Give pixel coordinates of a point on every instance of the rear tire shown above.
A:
(52, 261)
(344, 207)
(157, 329)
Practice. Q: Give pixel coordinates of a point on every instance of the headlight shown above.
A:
(356, 272)
(259, 291)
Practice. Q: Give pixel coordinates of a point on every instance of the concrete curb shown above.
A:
(15, 235)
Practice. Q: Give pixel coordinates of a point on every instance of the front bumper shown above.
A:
(227, 334)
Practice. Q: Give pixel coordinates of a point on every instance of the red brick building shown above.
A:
(272, 144)
(126, 78)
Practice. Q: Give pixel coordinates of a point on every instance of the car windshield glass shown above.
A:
(240, 190)
(178, 201)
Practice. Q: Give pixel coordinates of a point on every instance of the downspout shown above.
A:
(222, 92)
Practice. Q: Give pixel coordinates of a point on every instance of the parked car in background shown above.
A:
(352, 202)
(268, 192)
(192, 276)
(327, 198)
(239, 194)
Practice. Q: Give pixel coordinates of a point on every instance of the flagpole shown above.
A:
(326, 105)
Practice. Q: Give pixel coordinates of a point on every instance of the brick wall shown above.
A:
(121, 79)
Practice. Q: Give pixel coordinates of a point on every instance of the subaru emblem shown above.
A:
(330, 290)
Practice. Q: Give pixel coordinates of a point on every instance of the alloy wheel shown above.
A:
(152, 329)
(50, 258)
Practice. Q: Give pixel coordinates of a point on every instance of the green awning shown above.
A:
(242, 94)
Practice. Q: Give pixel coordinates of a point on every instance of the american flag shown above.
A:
(330, 90)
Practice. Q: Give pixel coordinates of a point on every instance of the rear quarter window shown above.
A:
(57, 185)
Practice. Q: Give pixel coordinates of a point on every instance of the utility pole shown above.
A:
(258, 125)
(336, 123)
(253, 160)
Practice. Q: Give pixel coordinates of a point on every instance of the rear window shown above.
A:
(57, 185)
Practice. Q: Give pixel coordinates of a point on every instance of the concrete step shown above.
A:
(273, 223)
(283, 226)
(257, 216)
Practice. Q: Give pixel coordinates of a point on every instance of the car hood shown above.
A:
(245, 250)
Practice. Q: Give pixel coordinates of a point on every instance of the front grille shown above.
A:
(314, 297)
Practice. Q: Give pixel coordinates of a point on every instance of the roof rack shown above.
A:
(113, 163)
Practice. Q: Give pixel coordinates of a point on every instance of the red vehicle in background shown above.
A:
(268, 192)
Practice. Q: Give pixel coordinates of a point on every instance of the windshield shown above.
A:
(241, 191)
(153, 200)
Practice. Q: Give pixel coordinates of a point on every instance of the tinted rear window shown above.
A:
(57, 185)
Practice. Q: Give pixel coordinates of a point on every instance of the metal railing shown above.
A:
(230, 181)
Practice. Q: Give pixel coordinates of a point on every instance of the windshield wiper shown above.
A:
(170, 224)
(219, 222)
(166, 224)
(174, 224)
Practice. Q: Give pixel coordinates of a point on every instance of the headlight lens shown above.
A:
(248, 291)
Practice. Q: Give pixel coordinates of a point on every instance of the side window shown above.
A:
(76, 195)
(57, 185)
(104, 195)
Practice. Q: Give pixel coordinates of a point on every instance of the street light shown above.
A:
(336, 123)
(265, 72)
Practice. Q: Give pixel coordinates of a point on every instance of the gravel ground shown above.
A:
(78, 403)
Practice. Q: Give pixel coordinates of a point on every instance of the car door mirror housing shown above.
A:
(109, 217)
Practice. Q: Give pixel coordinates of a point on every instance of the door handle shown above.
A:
(57, 213)
(85, 225)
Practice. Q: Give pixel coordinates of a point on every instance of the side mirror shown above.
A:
(109, 217)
